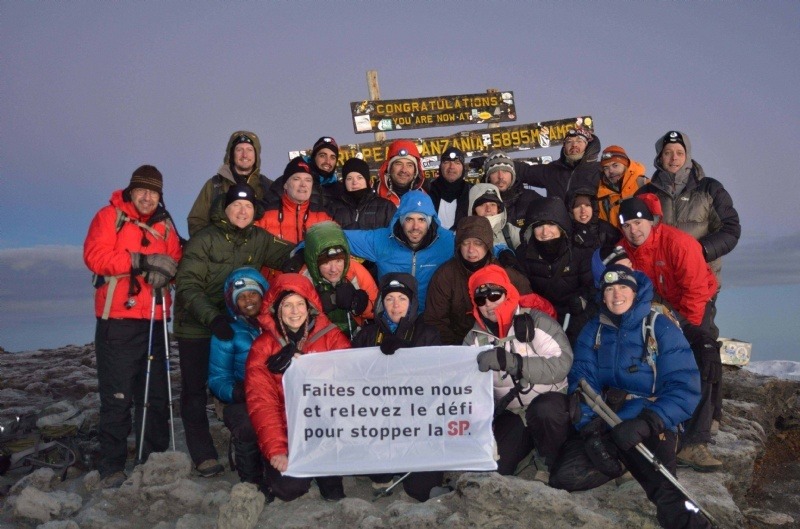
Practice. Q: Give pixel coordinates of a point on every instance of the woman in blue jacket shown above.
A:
(244, 294)
(653, 389)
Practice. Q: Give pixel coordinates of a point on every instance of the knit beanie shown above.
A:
(672, 136)
(496, 161)
(245, 284)
(618, 274)
(452, 153)
(296, 165)
(633, 208)
(240, 192)
(614, 153)
(146, 177)
(325, 142)
(586, 134)
(476, 227)
(490, 195)
(359, 166)
(396, 286)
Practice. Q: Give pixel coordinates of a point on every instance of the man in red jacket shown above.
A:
(133, 249)
(401, 172)
(674, 262)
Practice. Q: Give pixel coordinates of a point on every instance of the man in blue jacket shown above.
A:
(414, 242)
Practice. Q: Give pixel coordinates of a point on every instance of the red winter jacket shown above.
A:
(674, 262)
(384, 189)
(263, 389)
(107, 252)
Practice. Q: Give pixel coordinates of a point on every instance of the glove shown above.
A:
(576, 305)
(222, 329)
(508, 259)
(477, 162)
(238, 392)
(295, 261)
(524, 329)
(631, 432)
(498, 359)
(360, 302)
(326, 296)
(344, 293)
(391, 343)
(710, 363)
(280, 362)
(158, 268)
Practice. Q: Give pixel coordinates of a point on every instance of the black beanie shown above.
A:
(356, 165)
(240, 192)
(633, 208)
(452, 153)
(296, 165)
(617, 274)
(325, 142)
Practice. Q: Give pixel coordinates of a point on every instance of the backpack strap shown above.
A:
(650, 342)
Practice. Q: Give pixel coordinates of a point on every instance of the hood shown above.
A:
(653, 203)
(687, 144)
(551, 210)
(591, 154)
(394, 150)
(256, 144)
(241, 273)
(407, 280)
(474, 227)
(585, 191)
(296, 283)
(495, 275)
(477, 191)
(639, 309)
(415, 201)
(319, 238)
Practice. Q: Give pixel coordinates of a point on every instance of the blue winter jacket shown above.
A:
(227, 358)
(620, 362)
(393, 255)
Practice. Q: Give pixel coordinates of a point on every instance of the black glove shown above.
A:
(508, 259)
(295, 262)
(157, 268)
(498, 359)
(576, 305)
(477, 162)
(709, 362)
(344, 293)
(238, 392)
(278, 363)
(524, 329)
(326, 296)
(222, 329)
(360, 302)
(631, 432)
(391, 343)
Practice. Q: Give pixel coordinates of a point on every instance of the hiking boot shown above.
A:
(699, 458)
(209, 468)
(334, 494)
(113, 481)
(382, 486)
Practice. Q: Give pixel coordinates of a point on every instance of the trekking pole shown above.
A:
(612, 419)
(388, 490)
(147, 378)
(166, 363)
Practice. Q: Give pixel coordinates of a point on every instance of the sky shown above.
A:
(92, 90)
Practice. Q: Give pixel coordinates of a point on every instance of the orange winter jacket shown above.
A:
(117, 231)
(289, 220)
(608, 199)
(264, 390)
(384, 187)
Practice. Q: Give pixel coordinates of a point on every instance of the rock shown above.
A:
(42, 479)
(764, 519)
(58, 414)
(165, 467)
(195, 521)
(243, 509)
(59, 524)
(43, 506)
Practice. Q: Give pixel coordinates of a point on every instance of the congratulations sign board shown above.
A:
(362, 412)
(399, 114)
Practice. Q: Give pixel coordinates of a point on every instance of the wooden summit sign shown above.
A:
(400, 114)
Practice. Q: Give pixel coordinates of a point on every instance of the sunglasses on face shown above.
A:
(491, 295)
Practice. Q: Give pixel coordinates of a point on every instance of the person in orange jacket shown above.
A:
(133, 249)
(401, 172)
(622, 177)
(292, 324)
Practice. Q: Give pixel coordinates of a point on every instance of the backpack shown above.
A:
(22, 444)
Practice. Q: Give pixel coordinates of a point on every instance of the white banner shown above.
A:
(359, 411)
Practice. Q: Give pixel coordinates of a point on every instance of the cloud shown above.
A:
(771, 262)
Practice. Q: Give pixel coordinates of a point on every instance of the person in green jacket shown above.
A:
(229, 242)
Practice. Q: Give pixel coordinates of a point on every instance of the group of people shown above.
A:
(556, 289)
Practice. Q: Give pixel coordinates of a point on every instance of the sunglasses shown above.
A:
(493, 295)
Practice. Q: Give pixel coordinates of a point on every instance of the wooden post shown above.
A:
(374, 95)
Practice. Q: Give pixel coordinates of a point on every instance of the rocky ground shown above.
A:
(759, 441)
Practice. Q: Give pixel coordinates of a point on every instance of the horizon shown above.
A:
(93, 90)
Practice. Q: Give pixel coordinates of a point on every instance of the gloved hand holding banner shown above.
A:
(359, 411)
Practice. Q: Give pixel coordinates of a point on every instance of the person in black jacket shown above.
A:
(397, 325)
(576, 167)
(450, 192)
(589, 231)
(500, 170)
(358, 207)
(557, 269)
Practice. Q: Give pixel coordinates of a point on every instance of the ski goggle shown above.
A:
(484, 294)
